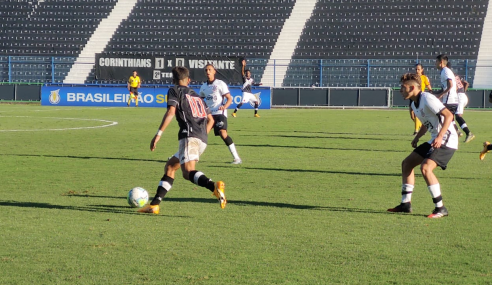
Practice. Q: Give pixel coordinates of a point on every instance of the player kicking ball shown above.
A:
(246, 88)
(438, 151)
(195, 122)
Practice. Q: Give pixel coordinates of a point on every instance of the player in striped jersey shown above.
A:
(438, 151)
(195, 122)
(215, 91)
(246, 88)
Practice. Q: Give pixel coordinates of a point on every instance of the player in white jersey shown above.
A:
(215, 91)
(246, 88)
(436, 119)
(448, 93)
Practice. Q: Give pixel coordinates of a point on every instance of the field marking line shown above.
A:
(110, 123)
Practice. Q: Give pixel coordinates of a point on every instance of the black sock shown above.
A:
(164, 187)
(489, 147)
(201, 180)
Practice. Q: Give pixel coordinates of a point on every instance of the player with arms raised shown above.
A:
(195, 121)
(246, 88)
(436, 119)
(214, 91)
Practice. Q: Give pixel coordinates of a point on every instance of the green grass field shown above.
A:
(307, 206)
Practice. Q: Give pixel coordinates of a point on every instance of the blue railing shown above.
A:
(300, 72)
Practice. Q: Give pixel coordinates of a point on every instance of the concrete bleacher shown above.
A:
(306, 37)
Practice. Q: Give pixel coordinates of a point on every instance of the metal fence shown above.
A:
(300, 72)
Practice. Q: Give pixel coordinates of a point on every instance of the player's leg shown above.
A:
(486, 148)
(463, 101)
(256, 103)
(165, 185)
(438, 157)
(190, 157)
(220, 129)
(237, 108)
(129, 98)
(408, 182)
(136, 97)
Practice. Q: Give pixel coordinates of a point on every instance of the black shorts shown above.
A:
(452, 107)
(441, 156)
(219, 124)
(134, 90)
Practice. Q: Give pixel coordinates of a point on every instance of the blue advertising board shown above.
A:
(118, 96)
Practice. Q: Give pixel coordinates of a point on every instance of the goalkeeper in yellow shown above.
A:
(133, 85)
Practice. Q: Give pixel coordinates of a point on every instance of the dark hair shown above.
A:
(210, 64)
(247, 70)
(448, 65)
(134, 71)
(442, 58)
(180, 73)
(421, 67)
(410, 77)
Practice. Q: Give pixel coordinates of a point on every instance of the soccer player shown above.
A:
(461, 88)
(247, 95)
(195, 121)
(436, 119)
(133, 85)
(448, 93)
(215, 91)
(425, 84)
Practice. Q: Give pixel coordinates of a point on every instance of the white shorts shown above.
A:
(190, 149)
(462, 102)
(249, 97)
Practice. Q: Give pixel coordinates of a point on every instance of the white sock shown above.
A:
(406, 193)
(233, 150)
(435, 191)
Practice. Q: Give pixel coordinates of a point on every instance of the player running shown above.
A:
(436, 119)
(246, 88)
(195, 121)
(215, 91)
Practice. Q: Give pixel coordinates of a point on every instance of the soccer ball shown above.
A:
(137, 197)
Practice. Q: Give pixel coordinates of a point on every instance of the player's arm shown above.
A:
(448, 119)
(243, 67)
(166, 120)
(421, 132)
(139, 82)
(227, 103)
(412, 114)
(128, 84)
(449, 86)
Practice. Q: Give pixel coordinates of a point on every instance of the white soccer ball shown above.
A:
(138, 197)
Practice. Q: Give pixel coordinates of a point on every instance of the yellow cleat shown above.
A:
(151, 209)
(485, 150)
(219, 193)
(257, 116)
(234, 115)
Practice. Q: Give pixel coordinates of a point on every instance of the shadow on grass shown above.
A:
(89, 208)
(291, 147)
(87, 157)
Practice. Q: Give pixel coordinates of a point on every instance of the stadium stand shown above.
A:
(342, 42)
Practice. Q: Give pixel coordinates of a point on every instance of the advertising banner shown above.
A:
(118, 97)
(158, 69)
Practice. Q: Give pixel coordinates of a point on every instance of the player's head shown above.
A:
(441, 61)
(419, 69)
(448, 65)
(134, 73)
(210, 71)
(181, 75)
(410, 85)
(247, 73)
